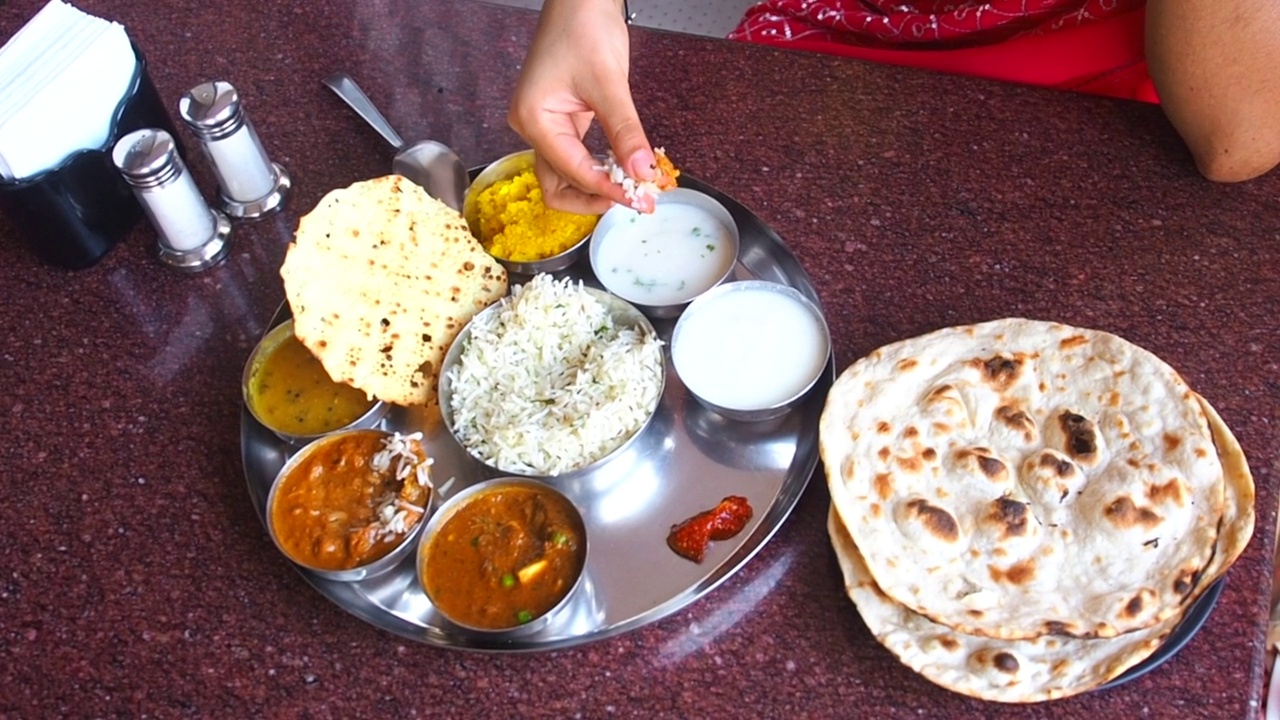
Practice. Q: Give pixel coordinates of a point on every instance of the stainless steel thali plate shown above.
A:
(683, 463)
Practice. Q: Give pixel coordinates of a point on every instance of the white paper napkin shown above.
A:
(62, 76)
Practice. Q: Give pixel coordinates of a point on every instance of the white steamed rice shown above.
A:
(547, 384)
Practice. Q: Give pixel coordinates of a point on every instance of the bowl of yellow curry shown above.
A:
(503, 557)
(288, 391)
(351, 505)
(505, 211)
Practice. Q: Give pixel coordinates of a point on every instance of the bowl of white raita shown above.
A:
(661, 261)
(750, 350)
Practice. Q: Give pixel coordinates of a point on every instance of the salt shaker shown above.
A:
(191, 235)
(249, 184)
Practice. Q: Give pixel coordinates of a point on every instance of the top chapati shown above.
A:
(1049, 666)
(381, 277)
(1017, 478)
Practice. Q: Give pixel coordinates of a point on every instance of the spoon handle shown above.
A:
(347, 89)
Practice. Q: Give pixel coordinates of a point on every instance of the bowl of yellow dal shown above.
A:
(287, 390)
(505, 211)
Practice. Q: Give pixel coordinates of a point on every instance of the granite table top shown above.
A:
(137, 581)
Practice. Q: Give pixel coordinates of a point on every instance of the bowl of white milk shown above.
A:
(750, 350)
(661, 261)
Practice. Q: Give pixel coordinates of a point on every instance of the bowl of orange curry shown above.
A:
(288, 391)
(503, 556)
(351, 505)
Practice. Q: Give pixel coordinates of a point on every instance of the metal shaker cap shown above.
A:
(212, 110)
(147, 158)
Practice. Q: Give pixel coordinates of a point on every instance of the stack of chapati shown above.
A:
(1023, 510)
(381, 277)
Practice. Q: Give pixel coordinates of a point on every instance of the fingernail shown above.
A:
(642, 165)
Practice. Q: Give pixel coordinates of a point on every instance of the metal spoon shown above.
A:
(428, 163)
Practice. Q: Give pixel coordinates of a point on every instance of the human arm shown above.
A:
(577, 68)
(1216, 67)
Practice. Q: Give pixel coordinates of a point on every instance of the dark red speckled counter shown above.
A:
(135, 579)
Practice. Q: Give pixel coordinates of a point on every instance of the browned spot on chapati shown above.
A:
(884, 485)
(1081, 436)
(1009, 515)
(1019, 573)
(1124, 514)
(1005, 663)
(936, 521)
(1172, 491)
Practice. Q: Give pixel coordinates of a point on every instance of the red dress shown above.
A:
(1093, 46)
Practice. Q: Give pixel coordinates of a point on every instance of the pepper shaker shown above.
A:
(249, 184)
(191, 236)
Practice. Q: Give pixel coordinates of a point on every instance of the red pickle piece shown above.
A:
(690, 538)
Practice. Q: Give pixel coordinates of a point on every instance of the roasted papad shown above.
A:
(1016, 479)
(381, 277)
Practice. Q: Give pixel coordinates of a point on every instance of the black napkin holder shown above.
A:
(73, 214)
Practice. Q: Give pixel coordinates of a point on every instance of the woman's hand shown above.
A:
(576, 69)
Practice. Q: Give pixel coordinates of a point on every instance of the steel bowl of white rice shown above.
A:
(555, 379)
